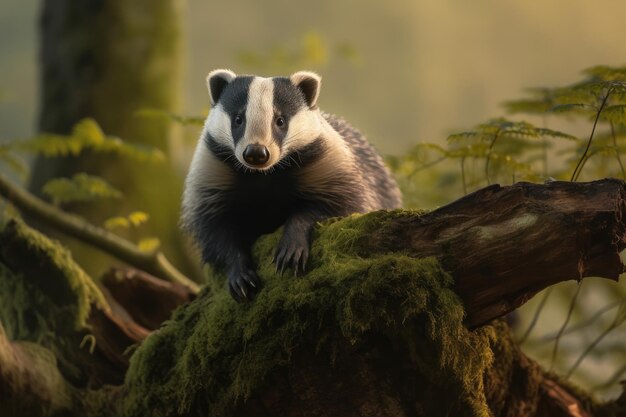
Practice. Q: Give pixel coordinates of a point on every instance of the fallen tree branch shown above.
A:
(155, 263)
(505, 244)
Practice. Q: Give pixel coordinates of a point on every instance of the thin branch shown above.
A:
(591, 320)
(616, 323)
(544, 147)
(463, 175)
(427, 165)
(611, 381)
(564, 325)
(535, 319)
(154, 263)
(619, 159)
(491, 145)
(579, 166)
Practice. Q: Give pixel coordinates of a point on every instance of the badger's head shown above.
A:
(259, 123)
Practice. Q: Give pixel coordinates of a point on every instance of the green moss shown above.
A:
(44, 296)
(50, 268)
(215, 352)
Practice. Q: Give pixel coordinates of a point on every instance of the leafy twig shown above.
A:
(154, 263)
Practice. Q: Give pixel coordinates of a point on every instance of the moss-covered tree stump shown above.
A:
(395, 317)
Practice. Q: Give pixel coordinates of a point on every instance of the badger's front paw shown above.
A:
(292, 250)
(243, 282)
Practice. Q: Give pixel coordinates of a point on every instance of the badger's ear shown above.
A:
(309, 83)
(216, 81)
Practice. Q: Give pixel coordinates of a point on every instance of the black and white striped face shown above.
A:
(255, 122)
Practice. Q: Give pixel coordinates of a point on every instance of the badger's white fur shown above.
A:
(317, 166)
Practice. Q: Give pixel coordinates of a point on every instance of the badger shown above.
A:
(268, 157)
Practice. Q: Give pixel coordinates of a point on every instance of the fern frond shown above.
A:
(615, 114)
(474, 150)
(573, 107)
(606, 73)
(550, 133)
(528, 106)
(429, 146)
(80, 188)
(50, 145)
(86, 134)
(456, 137)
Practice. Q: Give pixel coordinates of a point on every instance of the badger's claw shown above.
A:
(243, 283)
(291, 252)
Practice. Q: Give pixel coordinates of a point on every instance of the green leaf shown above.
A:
(540, 102)
(117, 222)
(457, 137)
(606, 73)
(528, 106)
(149, 244)
(545, 132)
(615, 114)
(134, 219)
(573, 107)
(80, 188)
(86, 134)
(137, 218)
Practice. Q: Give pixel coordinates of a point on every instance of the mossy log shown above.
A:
(395, 317)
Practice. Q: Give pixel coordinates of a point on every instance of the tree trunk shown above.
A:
(395, 317)
(108, 60)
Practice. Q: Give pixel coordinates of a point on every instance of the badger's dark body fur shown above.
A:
(329, 170)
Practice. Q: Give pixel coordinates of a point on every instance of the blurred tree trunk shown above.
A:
(107, 60)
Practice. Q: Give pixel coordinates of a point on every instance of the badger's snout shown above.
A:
(256, 155)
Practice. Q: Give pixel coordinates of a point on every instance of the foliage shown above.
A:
(86, 135)
(80, 188)
(312, 51)
(505, 150)
(134, 219)
(149, 244)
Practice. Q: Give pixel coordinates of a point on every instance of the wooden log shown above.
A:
(505, 244)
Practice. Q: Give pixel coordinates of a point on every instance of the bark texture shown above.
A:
(505, 244)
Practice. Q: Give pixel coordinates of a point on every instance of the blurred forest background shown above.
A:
(408, 74)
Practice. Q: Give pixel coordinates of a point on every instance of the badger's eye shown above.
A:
(280, 121)
(238, 120)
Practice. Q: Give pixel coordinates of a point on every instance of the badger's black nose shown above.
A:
(256, 154)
